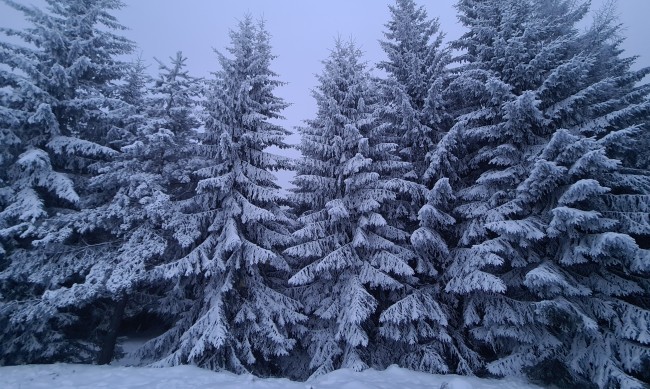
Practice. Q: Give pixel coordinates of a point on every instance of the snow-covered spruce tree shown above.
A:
(416, 68)
(136, 81)
(233, 226)
(354, 261)
(427, 318)
(151, 172)
(414, 115)
(592, 283)
(489, 156)
(548, 274)
(60, 116)
(412, 109)
(171, 117)
(134, 91)
(174, 96)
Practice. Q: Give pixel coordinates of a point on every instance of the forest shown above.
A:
(479, 207)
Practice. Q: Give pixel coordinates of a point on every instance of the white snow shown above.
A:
(64, 376)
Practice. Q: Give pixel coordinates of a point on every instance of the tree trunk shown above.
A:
(108, 346)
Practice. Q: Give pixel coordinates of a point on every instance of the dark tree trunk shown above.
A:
(108, 346)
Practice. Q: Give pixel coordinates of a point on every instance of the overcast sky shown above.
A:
(303, 31)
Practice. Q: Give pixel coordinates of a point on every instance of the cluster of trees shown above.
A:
(482, 208)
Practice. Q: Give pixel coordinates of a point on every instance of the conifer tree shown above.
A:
(61, 117)
(426, 321)
(232, 228)
(149, 175)
(352, 257)
(416, 67)
(172, 118)
(134, 92)
(413, 109)
(546, 264)
(415, 116)
(174, 96)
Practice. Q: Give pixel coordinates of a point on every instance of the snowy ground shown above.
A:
(62, 376)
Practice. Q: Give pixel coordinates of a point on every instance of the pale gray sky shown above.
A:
(303, 31)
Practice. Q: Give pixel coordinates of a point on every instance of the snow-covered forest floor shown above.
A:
(62, 376)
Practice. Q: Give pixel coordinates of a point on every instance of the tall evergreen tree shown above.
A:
(352, 257)
(134, 91)
(545, 269)
(428, 316)
(174, 96)
(61, 117)
(151, 172)
(413, 109)
(416, 118)
(416, 68)
(233, 226)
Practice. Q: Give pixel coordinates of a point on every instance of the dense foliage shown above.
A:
(480, 214)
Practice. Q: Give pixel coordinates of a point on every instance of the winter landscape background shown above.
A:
(470, 193)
